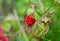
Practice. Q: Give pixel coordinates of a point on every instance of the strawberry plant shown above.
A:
(29, 20)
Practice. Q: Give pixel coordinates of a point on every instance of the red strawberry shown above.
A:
(30, 20)
(1, 32)
(4, 38)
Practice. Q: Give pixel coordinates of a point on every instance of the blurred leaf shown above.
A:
(6, 26)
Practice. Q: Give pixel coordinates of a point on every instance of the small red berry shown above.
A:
(30, 20)
(4, 38)
(1, 32)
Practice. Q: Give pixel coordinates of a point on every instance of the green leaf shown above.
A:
(6, 26)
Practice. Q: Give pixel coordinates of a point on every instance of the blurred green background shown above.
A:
(22, 7)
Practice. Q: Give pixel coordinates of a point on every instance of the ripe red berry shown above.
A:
(4, 38)
(30, 20)
(1, 32)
